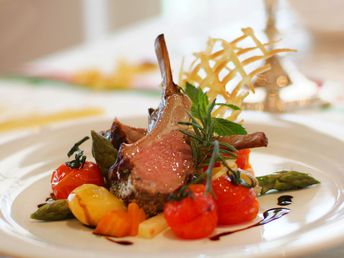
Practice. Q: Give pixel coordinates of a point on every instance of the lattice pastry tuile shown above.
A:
(214, 69)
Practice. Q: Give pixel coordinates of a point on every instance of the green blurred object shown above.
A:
(285, 181)
(53, 210)
(103, 152)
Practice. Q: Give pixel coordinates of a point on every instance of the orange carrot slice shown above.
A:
(136, 215)
(114, 223)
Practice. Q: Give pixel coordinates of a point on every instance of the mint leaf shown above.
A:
(201, 109)
(202, 131)
(234, 107)
(200, 101)
(203, 104)
(224, 127)
(192, 92)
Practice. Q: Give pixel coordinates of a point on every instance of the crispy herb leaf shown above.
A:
(79, 158)
(76, 146)
(224, 127)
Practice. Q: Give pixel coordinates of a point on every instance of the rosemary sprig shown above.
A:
(79, 158)
(209, 171)
(202, 130)
(184, 191)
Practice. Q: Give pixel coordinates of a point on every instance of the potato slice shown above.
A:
(89, 203)
(152, 226)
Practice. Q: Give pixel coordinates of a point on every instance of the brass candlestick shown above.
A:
(276, 78)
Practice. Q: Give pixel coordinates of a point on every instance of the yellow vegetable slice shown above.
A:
(152, 226)
(89, 203)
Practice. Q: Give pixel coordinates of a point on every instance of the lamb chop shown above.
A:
(122, 133)
(155, 162)
(246, 141)
(148, 170)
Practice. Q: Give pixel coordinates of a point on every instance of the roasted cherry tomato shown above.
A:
(192, 217)
(235, 203)
(65, 179)
(243, 159)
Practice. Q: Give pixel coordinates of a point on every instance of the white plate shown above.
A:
(316, 219)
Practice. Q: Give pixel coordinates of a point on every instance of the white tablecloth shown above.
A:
(22, 98)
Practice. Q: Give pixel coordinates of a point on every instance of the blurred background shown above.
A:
(73, 47)
(33, 29)
(70, 60)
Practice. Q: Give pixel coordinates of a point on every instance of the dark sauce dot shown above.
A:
(41, 204)
(284, 200)
(120, 242)
(89, 226)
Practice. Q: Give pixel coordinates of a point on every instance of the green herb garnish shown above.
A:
(224, 127)
(184, 191)
(205, 128)
(79, 158)
(206, 150)
(231, 106)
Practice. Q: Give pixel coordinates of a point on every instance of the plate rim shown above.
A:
(331, 241)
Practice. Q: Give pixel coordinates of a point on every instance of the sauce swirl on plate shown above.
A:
(268, 216)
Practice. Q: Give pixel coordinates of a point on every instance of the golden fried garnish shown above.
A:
(121, 77)
(224, 69)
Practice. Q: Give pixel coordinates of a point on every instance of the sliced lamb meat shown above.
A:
(121, 133)
(148, 170)
(252, 140)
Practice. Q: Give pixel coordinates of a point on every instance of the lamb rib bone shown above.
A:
(148, 170)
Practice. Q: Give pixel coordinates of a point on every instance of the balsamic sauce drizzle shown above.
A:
(268, 216)
(120, 242)
(284, 200)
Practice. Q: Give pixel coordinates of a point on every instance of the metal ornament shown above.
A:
(277, 78)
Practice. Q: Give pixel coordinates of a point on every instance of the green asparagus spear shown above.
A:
(53, 210)
(285, 180)
(103, 152)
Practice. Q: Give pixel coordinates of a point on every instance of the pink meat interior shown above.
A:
(163, 166)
